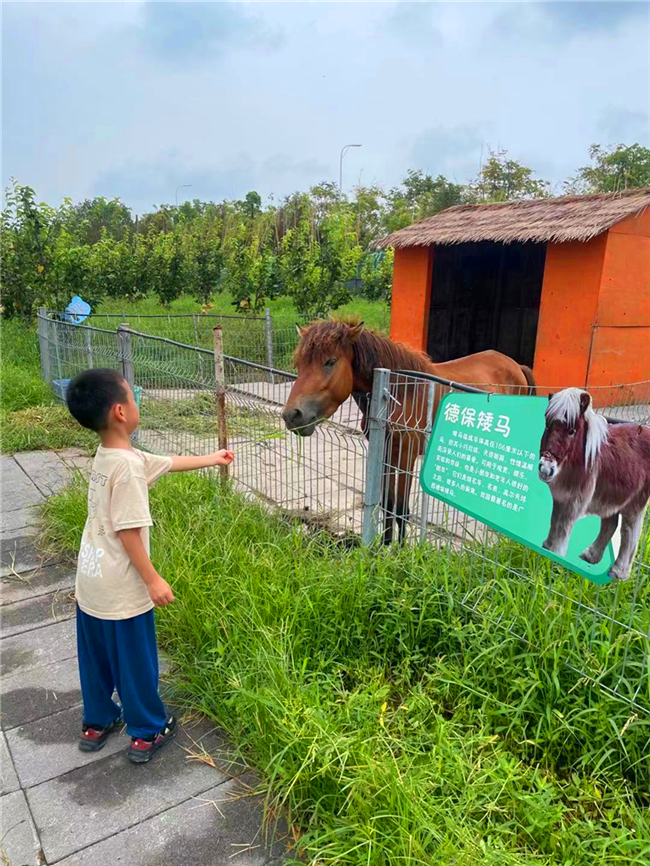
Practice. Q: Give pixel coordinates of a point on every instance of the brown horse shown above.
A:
(592, 467)
(336, 359)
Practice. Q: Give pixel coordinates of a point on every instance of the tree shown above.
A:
(315, 267)
(28, 232)
(503, 179)
(420, 196)
(88, 220)
(612, 169)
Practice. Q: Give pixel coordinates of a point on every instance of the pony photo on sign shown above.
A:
(337, 359)
(593, 467)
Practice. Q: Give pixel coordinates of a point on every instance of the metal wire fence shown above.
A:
(354, 486)
(603, 632)
(320, 479)
(261, 339)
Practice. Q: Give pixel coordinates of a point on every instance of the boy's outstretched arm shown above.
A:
(159, 590)
(186, 464)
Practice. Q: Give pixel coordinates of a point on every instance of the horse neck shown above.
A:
(373, 351)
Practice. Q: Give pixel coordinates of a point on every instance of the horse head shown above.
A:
(325, 362)
(574, 433)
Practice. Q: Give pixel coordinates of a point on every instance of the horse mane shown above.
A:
(371, 349)
(565, 406)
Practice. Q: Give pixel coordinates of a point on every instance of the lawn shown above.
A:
(391, 724)
(30, 418)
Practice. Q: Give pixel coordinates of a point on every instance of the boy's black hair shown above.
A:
(91, 395)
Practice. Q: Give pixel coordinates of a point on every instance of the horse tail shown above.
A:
(528, 373)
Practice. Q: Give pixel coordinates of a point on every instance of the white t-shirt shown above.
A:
(108, 586)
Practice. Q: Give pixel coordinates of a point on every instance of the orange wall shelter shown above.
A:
(594, 318)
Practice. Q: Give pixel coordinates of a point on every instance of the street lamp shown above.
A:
(344, 150)
(182, 186)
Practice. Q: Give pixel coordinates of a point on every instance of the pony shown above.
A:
(592, 467)
(337, 358)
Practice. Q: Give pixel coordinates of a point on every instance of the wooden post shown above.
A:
(268, 332)
(220, 393)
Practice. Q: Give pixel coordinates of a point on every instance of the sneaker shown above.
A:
(93, 738)
(143, 749)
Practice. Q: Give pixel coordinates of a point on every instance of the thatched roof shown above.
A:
(570, 218)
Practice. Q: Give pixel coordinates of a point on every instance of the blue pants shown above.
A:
(120, 655)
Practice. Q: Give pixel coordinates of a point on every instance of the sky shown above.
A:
(131, 100)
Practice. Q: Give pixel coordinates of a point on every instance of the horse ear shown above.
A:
(585, 402)
(355, 330)
(300, 330)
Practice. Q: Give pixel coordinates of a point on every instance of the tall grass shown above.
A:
(393, 726)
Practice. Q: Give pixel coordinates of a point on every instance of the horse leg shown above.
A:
(403, 492)
(388, 505)
(563, 517)
(631, 525)
(594, 553)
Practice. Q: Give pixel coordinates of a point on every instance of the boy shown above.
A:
(117, 586)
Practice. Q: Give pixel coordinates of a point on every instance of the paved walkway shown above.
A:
(63, 806)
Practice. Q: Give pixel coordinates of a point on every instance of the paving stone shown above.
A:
(111, 794)
(76, 458)
(20, 518)
(218, 828)
(42, 646)
(49, 747)
(20, 845)
(18, 491)
(18, 555)
(46, 469)
(40, 581)
(39, 692)
(32, 613)
(8, 777)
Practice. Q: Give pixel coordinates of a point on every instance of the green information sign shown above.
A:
(482, 459)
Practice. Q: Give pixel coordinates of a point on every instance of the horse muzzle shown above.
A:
(547, 468)
(302, 422)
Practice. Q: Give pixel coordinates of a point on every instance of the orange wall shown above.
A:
(409, 319)
(621, 342)
(570, 292)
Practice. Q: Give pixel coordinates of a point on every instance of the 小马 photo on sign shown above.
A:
(548, 472)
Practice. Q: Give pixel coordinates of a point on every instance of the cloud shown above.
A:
(621, 126)
(577, 17)
(188, 33)
(563, 21)
(455, 152)
(413, 22)
(143, 184)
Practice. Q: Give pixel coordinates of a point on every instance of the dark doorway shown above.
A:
(485, 296)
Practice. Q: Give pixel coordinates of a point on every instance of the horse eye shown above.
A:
(330, 362)
(572, 432)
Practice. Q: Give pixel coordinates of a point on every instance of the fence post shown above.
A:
(124, 353)
(268, 330)
(426, 499)
(377, 421)
(44, 344)
(88, 336)
(220, 393)
(126, 360)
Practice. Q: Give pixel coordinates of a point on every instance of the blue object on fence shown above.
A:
(77, 311)
(61, 386)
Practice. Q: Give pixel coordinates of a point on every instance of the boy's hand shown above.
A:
(223, 458)
(160, 592)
